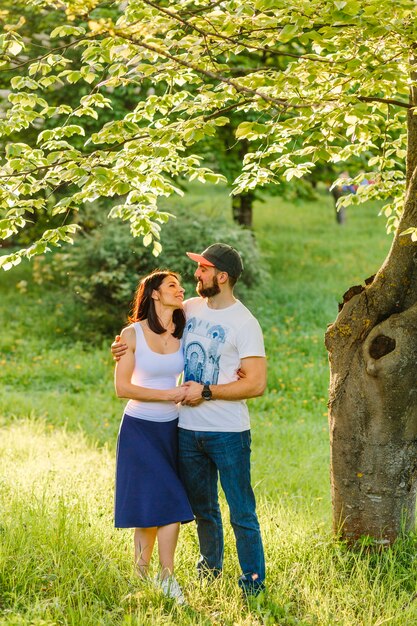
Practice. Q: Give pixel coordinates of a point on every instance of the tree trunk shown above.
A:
(373, 389)
(337, 193)
(242, 209)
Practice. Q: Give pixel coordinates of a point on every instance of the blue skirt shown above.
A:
(148, 489)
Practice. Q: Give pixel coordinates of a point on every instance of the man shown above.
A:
(221, 338)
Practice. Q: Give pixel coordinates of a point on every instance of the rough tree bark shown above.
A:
(373, 389)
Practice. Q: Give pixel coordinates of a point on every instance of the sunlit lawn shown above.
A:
(61, 561)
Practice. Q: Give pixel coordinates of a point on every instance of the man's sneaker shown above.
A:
(171, 589)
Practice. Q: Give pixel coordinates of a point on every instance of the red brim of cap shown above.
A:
(199, 259)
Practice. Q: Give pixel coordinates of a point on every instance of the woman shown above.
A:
(149, 494)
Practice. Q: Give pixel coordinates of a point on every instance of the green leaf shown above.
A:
(251, 130)
(14, 47)
(19, 82)
(15, 149)
(10, 260)
(408, 231)
(147, 240)
(157, 248)
(89, 77)
(73, 77)
(288, 32)
(67, 29)
(221, 121)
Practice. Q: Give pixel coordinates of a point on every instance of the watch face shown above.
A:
(206, 393)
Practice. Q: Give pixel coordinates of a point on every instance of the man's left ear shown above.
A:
(223, 277)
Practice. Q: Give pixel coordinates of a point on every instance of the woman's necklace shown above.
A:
(166, 336)
(168, 333)
(165, 339)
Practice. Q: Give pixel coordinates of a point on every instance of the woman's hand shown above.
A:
(177, 394)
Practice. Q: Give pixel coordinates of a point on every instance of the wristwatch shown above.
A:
(206, 393)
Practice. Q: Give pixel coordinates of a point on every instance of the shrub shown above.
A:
(102, 268)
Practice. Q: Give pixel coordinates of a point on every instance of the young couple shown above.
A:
(175, 442)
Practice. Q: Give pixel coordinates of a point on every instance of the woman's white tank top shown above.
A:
(155, 371)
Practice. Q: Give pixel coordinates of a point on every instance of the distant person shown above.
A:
(337, 192)
(221, 338)
(149, 494)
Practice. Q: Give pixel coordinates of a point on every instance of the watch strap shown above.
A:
(206, 393)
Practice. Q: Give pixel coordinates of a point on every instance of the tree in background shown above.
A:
(342, 85)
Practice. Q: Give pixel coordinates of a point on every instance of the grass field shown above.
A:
(62, 562)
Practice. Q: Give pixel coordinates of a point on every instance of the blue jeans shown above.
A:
(203, 456)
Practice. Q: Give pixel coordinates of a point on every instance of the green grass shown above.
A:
(62, 562)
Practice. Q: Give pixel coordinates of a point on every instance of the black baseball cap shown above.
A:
(223, 257)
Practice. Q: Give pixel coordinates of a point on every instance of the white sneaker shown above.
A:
(171, 589)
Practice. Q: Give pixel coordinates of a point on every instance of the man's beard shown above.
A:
(208, 292)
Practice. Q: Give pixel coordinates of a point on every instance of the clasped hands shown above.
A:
(188, 393)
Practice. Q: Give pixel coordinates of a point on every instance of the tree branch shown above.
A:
(250, 70)
(211, 6)
(208, 74)
(43, 56)
(215, 34)
(81, 156)
(397, 103)
(226, 109)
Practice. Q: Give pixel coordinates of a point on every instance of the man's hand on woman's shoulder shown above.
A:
(118, 348)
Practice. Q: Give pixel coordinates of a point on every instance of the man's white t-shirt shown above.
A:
(215, 341)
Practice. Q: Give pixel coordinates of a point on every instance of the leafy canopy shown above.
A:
(318, 80)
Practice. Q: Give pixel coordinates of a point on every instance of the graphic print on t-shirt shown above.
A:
(203, 342)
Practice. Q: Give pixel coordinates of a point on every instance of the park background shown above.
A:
(62, 562)
(105, 102)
